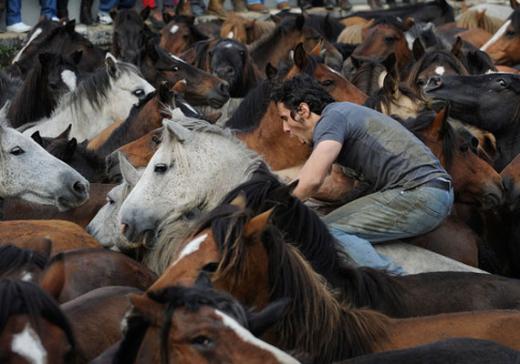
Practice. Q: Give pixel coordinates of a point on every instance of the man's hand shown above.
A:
(316, 168)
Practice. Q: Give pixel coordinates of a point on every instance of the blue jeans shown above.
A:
(389, 215)
(106, 5)
(14, 10)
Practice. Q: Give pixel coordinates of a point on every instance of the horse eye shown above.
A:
(510, 32)
(421, 82)
(327, 83)
(17, 151)
(139, 92)
(389, 39)
(210, 267)
(156, 139)
(501, 82)
(110, 200)
(160, 168)
(202, 340)
(175, 68)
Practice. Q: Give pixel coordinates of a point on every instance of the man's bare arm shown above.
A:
(316, 168)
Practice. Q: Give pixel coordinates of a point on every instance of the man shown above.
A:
(410, 191)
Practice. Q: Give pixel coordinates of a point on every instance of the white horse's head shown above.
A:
(105, 225)
(128, 86)
(29, 172)
(193, 168)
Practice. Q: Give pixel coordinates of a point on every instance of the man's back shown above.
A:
(383, 151)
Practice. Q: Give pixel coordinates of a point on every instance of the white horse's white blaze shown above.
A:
(440, 70)
(69, 78)
(248, 337)
(495, 36)
(34, 35)
(174, 29)
(27, 344)
(191, 248)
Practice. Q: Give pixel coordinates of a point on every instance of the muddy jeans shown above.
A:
(388, 215)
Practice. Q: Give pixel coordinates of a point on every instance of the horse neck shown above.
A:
(316, 323)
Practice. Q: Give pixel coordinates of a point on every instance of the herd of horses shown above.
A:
(147, 215)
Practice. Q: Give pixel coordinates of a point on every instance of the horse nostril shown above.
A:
(79, 188)
(123, 228)
(434, 81)
(224, 88)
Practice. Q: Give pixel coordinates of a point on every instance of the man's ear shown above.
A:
(305, 111)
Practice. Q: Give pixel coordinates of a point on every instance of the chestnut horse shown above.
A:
(73, 273)
(504, 46)
(244, 249)
(189, 325)
(180, 34)
(64, 235)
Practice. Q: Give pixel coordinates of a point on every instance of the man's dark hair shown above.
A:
(302, 88)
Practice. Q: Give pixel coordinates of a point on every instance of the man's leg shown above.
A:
(14, 12)
(363, 253)
(48, 9)
(393, 214)
(106, 5)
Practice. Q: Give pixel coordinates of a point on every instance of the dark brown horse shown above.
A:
(71, 274)
(23, 264)
(96, 318)
(180, 34)
(240, 249)
(33, 329)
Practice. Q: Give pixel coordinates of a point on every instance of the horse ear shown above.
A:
(152, 310)
(259, 322)
(37, 138)
(70, 26)
(408, 22)
(176, 131)
(180, 87)
(240, 201)
(456, 50)
(300, 21)
(418, 49)
(111, 65)
(165, 94)
(76, 57)
(270, 71)
(300, 56)
(145, 13)
(71, 147)
(167, 17)
(440, 119)
(65, 133)
(128, 171)
(113, 13)
(257, 224)
(317, 50)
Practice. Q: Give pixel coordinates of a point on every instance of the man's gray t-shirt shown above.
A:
(377, 147)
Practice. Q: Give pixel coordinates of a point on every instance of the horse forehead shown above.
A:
(174, 29)
(440, 70)
(28, 345)
(190, 248)
(249, 338)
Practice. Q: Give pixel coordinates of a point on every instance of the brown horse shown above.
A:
(16, 209)
(504, 46)
(180, 34)
(316, 322)
(73, 273)
(33, 329)
(190, 325)
(511, 180)
(385, 36)
(64, 235)
(245, 30)
(96, 319)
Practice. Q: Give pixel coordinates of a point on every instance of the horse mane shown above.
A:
(338, 332)
(9, 86)
(472, 19)
(95, 88)
(19, 298)
(252, 108)
(352, 34)
(304, 229)
(13, 258)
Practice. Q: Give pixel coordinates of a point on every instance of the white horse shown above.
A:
(105, 225)
(29, 172)
(194, 167)
(104, 97)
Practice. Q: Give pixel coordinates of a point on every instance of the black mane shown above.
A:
(13, 258)
(18, 297)
(515, 20)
